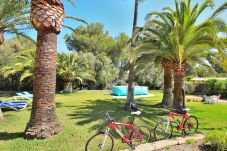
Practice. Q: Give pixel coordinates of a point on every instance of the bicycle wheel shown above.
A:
(140, 135)
(191, 125)
(100, 142)
(163, 130)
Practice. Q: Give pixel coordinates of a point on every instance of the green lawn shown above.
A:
(82, 114)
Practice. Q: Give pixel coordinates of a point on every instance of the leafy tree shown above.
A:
(149, 74)
(92, 38)
(105, 72)
(71, 68)
(117, 53)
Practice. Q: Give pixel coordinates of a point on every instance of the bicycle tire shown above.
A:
(186, 122)
(95, 136)
(140, 129)
(156, 130)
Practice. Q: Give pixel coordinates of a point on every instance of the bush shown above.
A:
(216, 87)
(217, 139)
(190, 87)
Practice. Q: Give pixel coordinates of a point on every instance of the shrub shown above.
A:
(210, 89)
(215, 87)
(217, 139)
(189, 87)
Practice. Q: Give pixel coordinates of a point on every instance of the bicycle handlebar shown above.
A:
(108, 118)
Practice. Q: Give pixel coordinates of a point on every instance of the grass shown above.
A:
(191, 141)
(81, 115)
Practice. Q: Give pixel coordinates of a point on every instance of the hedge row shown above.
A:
(216, 87)
(209, 87)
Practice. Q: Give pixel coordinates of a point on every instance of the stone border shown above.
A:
(166, 143)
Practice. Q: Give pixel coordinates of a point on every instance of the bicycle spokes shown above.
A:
(191, 125)
(163, 130)
(100, 142)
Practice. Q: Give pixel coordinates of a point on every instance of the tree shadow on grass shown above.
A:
(4, 136)
(93, 111)
(7, 93)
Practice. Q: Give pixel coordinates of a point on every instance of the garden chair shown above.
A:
(211, 100)
(28, 94)
(23, 96)
(216, 97)
(17, 106)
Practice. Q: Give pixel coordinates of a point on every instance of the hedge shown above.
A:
(216, 87)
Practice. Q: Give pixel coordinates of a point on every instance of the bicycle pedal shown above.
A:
(133, 147)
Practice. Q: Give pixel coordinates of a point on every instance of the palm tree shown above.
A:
(221, 60)
(71, 68)
(22, 63)
(131, 76)
(14, 18)
(47, 18)
(181, 39)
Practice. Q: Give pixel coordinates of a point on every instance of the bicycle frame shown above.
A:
(125, 139)
(184, 117)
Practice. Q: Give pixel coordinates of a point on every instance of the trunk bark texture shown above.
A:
(43, 121)
(1, 37)
(178, 96)
(130, 95)
(167, 99)
(68, 87)
(1, 116)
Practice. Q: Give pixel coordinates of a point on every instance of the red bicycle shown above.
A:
(188, 124)
(104, 140)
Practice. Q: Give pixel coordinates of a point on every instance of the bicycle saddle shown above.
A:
(181, 111)
(136, 113)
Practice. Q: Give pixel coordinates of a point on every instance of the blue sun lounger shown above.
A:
(23, 96)
(17, 106)
(28, 94)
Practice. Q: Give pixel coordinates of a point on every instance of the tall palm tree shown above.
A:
(131, 76)
(14, 18)
(182, 39)
(47, 18)
(71, 68)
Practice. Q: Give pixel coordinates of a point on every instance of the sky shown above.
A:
(115, 15)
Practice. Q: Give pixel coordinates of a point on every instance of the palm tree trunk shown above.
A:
(43, 121)
(130, 95)
(131, 77)
(1, 36)
(68, 87)
(178, 96)
(47, 20)
(1, 116)
(167, 99)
